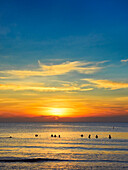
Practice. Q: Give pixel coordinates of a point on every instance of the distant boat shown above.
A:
(82, 135)
(36, 135)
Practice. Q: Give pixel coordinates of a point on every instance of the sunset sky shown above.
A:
(63, 60)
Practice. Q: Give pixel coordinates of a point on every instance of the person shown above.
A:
(96, 136)
(89, 136)
(109, 137)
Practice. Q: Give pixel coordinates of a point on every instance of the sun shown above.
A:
(58, 111)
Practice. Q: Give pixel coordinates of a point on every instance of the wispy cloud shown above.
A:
(4, 77)
(43, 88)
(107, 84)
(124, 61)
(58, 69)
(81, 67)
(122, 98)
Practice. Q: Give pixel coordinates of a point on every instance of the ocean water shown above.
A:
(71, 151)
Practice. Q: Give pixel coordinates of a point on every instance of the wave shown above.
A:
(57, 160)
(30, 160)
(69, 148)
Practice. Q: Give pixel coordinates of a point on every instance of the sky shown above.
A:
(63, 60)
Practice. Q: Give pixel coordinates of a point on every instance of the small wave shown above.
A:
(57, 160)
(68, 148)
(30, 160)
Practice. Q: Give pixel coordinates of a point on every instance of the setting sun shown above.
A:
(57, 111)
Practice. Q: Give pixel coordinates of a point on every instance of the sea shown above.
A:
(39, 146)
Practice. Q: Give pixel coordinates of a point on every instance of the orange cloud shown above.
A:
(124, 60)
(42, 88)
(67, 67)
(122, 98)
(107, 84)
(51, 70)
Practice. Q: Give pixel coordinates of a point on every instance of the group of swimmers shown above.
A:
(55, 136)
(89, 136)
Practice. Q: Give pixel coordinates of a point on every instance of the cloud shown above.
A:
(4, 77)
(43, 88)
(66, 67)
(124, 61)
(17, 118)
(14, 118)
(22, 73)
(122, 98)
(107, 84)
(58, 69)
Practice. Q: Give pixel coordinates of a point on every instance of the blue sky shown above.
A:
(72, 29)
(74, 47)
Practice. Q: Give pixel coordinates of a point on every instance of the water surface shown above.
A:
(70, 151)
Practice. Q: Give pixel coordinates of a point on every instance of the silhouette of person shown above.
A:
(89, 136)
(109, 137)
(96, 136)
